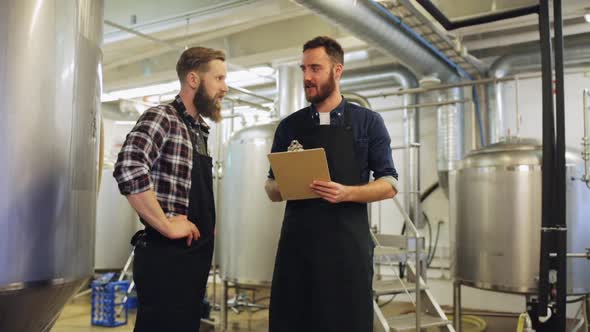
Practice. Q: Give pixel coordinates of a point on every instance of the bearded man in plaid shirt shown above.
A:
(165, 171)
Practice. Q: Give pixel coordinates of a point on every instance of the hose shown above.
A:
(471, 323)
(431, 250)
(579, 299)
(440, 222)
(429, 191)
(524, 323)
(429, 239)
(381, 305)
(432, 188)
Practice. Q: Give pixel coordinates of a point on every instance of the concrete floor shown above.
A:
(76, 318)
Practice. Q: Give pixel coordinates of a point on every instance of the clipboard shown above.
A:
(295, 170)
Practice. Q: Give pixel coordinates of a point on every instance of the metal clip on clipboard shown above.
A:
(295, 146)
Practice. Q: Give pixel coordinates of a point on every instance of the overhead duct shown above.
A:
(529, 60)
(374, 24)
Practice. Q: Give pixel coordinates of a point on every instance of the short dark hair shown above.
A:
(197, 59)
(331, 46)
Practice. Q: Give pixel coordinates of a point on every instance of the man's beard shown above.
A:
(323, 91)
(206, 105)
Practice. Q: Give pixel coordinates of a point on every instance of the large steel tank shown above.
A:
(49, 92)
(249, 224)
(116, 222)
(496, 212)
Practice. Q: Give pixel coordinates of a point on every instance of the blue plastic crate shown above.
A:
(107, 307)
(131, 302)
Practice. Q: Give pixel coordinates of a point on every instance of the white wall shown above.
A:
(116, 221)
(114, 136)
(530, 106)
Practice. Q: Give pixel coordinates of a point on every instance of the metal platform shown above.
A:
(407, 322)
(395, 286)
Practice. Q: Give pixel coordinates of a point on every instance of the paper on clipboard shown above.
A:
(295, 171)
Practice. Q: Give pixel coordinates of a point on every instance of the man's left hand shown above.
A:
(331, 191)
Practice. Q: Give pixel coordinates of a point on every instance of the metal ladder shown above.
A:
(127, 274)
(390, 250)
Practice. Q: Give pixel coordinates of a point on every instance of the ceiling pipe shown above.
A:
(372, 23)
(357, 99)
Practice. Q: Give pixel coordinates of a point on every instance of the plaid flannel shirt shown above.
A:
(158, 155)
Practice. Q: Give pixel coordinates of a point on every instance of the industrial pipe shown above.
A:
(357, 99)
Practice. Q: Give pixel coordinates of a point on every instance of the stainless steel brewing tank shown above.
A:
(496, 213)
(249, 224)
(116, 222)
(49, 92)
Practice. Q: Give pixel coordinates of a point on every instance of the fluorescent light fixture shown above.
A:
(125, 123)
(161, 98)
(167, 91)
(353, 56)
(262, 70)
(240, 78)
(587, 16)
(241, 108)
(150, 90)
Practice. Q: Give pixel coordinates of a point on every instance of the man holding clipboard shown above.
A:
(324, 267)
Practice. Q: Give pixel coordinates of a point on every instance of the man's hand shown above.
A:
(179, 227)
(272, 190)
(331, 191)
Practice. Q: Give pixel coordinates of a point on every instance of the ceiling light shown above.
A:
(161, 98)
(150, 90)
(125, 123)
(587, 15)
(240, 78)
(353, 56)
(262, 70)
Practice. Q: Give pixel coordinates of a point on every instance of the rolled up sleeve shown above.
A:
(380, 156)
(141, 148)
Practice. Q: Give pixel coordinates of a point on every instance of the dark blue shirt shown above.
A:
(371, 137)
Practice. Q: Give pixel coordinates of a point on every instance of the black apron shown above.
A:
(171, 278)
(323, 272)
